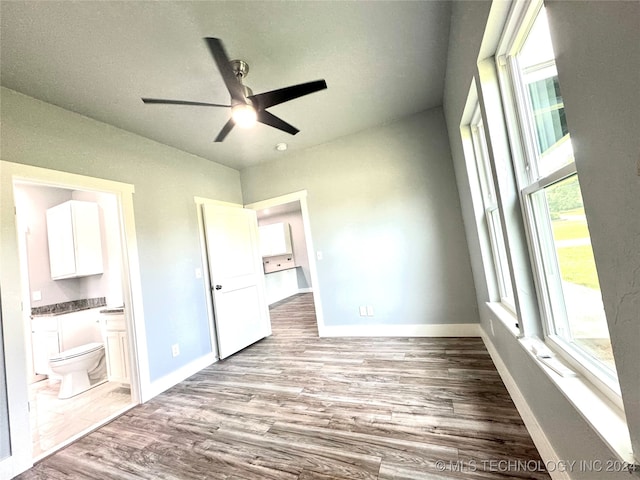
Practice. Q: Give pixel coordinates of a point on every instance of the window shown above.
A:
(562, 257)
(492, 215)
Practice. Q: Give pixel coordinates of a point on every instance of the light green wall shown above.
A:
(384, 212)
(165, 180)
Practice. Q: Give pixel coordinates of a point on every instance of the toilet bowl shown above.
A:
(74, 366)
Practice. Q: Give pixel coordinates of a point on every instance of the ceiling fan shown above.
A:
(246, 108)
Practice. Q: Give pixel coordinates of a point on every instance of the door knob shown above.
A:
(218, 287)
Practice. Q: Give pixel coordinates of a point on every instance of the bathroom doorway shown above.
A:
(74, 317)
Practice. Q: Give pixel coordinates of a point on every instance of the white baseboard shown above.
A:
(538, 436)
(410, 330)
(305, 290)
(168, 381)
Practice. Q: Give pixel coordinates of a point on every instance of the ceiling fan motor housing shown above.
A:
(241, 70)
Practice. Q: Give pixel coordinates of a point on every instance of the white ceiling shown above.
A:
(381, 60)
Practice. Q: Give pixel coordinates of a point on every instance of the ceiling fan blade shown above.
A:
(275, 122)
(225, 130)
(222, 61)
(275, 97)
(162, 101)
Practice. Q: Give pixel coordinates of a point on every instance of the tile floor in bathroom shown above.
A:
(53, 421)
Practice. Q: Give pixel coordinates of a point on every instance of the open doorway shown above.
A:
(72, 317)
(291, 268)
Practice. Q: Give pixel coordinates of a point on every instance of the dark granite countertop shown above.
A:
(112, 311)
(68, 307)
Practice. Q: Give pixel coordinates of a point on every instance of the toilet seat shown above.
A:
(76, 352)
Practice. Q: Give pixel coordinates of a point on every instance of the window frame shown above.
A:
(492, 210)
(525, 154)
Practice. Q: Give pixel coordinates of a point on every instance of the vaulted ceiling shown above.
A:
(381, 60)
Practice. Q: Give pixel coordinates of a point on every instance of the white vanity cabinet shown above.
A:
(116, 346)
(73, 231)
(275, 239)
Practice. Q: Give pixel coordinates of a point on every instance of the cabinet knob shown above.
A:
(218, 287)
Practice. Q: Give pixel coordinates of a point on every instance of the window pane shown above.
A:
(500, 257)
(486, 179)
(487, 187)
(545, 105)
(586, 325)
(548, 112)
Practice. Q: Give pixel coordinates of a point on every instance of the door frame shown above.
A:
(12, 296)
(301, 196)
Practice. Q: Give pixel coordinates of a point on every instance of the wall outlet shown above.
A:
(198, 273)
(363, 311)
(36, 295)
(175, 349)
(369, 311)
(493, 333)
(319, 255)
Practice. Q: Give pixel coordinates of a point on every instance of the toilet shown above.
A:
(76, 366)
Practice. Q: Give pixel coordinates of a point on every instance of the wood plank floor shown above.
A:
(295, 406)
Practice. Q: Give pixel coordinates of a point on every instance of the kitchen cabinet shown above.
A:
(117, 348)
(275, 239)
(73, 232)
(281, 284)
(275, 264)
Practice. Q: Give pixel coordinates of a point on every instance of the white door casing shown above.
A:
(301, 197)
(13, 284)
(237, 279)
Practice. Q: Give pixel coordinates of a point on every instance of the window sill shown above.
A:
(604, 417)
(506, 316)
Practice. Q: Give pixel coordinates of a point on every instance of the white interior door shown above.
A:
(237, 279)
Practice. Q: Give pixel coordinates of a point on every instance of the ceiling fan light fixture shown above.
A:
(246, 108)
(244, 116)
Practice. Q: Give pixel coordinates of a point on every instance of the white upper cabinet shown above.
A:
(275, 240)
(75, 249)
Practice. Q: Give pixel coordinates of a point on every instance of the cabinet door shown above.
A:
(281, 239)
(86, 236)
(265, 235)
(124, 355)
(75, 247)
(115, 366)
(275, 239)
(62, 258)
